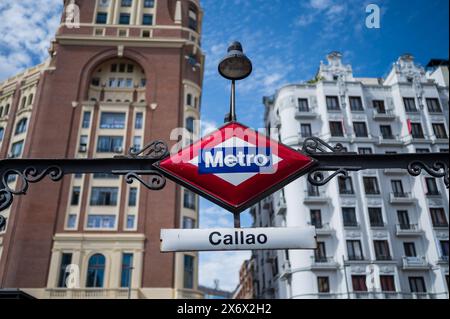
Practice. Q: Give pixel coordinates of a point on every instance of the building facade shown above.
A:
(128, 74)
(245, 289)
(380, 233)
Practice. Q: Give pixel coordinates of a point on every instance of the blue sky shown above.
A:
(286, 40)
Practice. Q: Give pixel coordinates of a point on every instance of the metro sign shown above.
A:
(235, 166)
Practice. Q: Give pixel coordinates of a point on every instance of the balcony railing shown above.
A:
(91, 293)
(388, 140)
(408, 229)
(322, 228)
(387, 114)
(401, 198)
(321, 262)
(440, 225)
(418, 262)
(315, 196)
(383, 258)
(346, 192)
(302, 113)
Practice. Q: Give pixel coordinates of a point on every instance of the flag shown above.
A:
(409, 126)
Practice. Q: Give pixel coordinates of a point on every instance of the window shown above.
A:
(86, 119)
(96, 271)
(397, 188)
(416, 130)
(124, 18)
(356, 103)
(410, 249)
(189, 200)
(131, 221)
(66, 260)
(126, 3)
(410, 104)
(438, 217)
(122, 67)
(365, 150)
(382, 250)
(16, 149)
(387, 283)
(349, 217)
(303, 105)
(23, 102)
(188, 223)
(21, 126)
(147, 19)
(192, 19)
(110, 120)
(345, 185)
(132, 197)
(371, 185)
(378, 105)
(432, 188)
(189, 99)
(316, 218)
(359, 283)
(336, 129)
(190, 124)
(83, 144)
(104, 196)
(30, 99)
(149, 3)
(188, 272)
(2, 133)
(332, 103)
(3, 227)
(71, 221)
(403, 219)
(433, 106)
(417, 284)
(110, 144)
(444, 249)
(439, 131)
(137, 141)
(127, 268)
(313, 190)
(101, 221)
(75, 200)
(324, 284)
(102, 17)
(354, 250)
(6, 110)
(386, 132)
(422, 150)
(105, 176)
(376, 217)
(138, 121)
(320, 254)
(305, 130)
(360, 129)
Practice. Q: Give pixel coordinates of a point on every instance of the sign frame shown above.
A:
(218, 201)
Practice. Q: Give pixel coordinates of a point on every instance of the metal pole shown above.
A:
(130, 272)
(233, 102)
(345, 277)
(237, 220)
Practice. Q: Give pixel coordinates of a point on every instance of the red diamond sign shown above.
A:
(235, 166)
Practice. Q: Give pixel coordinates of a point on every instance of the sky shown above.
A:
(285, 39)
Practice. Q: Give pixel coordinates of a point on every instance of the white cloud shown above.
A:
(208, 127)
(27, 27)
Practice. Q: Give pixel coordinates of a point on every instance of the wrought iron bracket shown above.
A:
(139, 166)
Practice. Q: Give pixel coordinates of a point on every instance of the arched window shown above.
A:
(30, 99)
(96, 271)
(190, 124)
(21, 127)
(189, 99)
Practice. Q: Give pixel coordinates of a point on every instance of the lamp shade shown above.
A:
(236, 65)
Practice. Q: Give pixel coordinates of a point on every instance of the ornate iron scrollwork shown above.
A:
(438, 170)
(28, 175)
(156, 150)
(2, 222)
(156, 180)
(316, 177)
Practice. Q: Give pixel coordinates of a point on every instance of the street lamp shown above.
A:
(235, 66)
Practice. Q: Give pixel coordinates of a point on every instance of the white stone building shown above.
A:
(381, 233)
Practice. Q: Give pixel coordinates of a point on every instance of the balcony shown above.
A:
(323, 263)
(440, 226)
(316, 197)
(401, 199)
(408, 230)
(415, 263)
(351, 225)
(91, 293)
(280, 206)
(324, 230)
(395, 171)
(389, 141)
(356, 260)
(306, 114)
(443, 260)
(387, 115)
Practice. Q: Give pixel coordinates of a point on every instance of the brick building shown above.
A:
(128, 75)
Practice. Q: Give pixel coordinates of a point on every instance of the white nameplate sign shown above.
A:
(237, 239)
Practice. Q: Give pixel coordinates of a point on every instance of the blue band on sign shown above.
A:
(234, 160)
